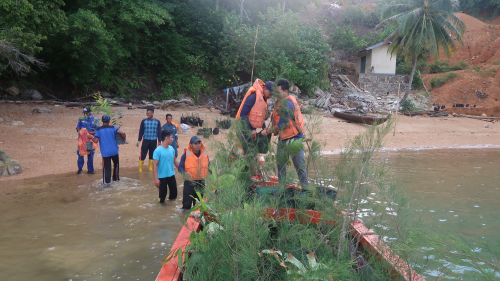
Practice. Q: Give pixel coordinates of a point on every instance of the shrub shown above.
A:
(417, 82)
(439, 81)
(346, 40)
(407, 105)
(439, 66)
(461, 65)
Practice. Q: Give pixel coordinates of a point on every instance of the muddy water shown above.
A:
(70, 228)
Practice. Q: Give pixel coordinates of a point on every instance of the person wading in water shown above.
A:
(109, 149)
(163, 166)
(194, 164)
(90, 123)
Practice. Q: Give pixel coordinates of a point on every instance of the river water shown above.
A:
(453, 190)
(68, 227)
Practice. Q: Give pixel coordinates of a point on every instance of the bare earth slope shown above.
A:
(482, 52)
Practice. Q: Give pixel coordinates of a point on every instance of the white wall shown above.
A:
(382, 61)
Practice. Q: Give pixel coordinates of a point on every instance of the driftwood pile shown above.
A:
(323, 100)
(168, 103)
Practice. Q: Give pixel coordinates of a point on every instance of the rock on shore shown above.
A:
(9, 166)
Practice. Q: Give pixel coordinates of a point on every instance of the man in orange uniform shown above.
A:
(289, 125)
(194, 164)
(253, 111)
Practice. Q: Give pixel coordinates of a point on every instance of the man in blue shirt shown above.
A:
(172, 127)
(163, 167)
(109, 149)
(90, 123)
(149, 133)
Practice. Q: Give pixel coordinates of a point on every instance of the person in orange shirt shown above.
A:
(289, 125)
(253, 110)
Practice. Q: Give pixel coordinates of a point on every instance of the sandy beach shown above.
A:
(46, 143)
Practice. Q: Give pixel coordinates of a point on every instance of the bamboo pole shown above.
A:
(253, 61)
(397, 106)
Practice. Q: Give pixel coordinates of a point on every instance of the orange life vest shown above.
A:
(257, 114)
(196, 166)
(291, 129)
(82, 142)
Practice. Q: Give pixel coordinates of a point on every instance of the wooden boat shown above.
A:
(367, 240)
(361, 118)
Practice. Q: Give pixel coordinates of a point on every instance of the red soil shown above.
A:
(481, 50)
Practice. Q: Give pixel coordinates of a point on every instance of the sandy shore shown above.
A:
(46, 143)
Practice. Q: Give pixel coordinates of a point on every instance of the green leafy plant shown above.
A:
(103, 106)
(439, 80)
(440, 66)
(286, 47)
(407, 105)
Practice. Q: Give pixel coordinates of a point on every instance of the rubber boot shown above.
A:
(150, 166)
(141, 163)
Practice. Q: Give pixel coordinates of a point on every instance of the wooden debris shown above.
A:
(323, 100)
(425, 112)
(174, 103)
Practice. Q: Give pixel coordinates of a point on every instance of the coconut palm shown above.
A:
(423, 25)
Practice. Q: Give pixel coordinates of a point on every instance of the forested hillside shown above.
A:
(165, 48)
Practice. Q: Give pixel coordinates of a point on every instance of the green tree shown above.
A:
(285, 48)
(423, 25)
(24, 25)
(475, 7)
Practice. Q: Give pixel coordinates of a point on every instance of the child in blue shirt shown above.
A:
(163, 167)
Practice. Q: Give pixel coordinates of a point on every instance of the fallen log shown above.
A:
(425, 112)
(484, 118)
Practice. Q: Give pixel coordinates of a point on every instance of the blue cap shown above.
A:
(194, 139)
(106, 118)
(270, 85)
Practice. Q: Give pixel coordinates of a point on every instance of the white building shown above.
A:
(376, 60)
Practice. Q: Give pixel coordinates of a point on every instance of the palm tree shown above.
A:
(423, 25)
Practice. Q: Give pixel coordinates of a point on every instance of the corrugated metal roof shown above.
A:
(373, 47)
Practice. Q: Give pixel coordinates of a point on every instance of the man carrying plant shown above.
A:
(172, 127)
(253, 110)
(289, 125)
(163, 165)
(149, 133)
(194, 165)
(109, 149)
(90, 123)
